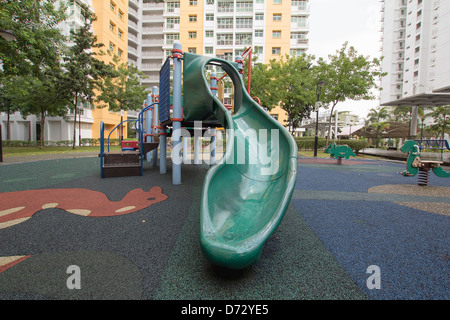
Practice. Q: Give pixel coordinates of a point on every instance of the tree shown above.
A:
(348, 76)
(124, 91)
(262, 85)
(82, 71)
(294, 85)
(377, 121)
(6, 103)
(441, 116)
(29, 61)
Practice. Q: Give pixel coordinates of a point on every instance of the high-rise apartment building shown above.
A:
(111, 29)
(416, 43)
(142, 32)
(222, 28)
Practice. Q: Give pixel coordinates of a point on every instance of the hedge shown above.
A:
(307, 143)
(61, 143)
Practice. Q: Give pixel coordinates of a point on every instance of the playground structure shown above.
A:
(242, 201)
(339, 151)
(416, 165)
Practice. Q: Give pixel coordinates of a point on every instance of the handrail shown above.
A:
(117, 127)
(137, 123)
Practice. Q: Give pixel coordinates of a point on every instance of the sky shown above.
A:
(333, 22)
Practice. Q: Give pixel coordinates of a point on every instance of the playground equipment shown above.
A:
(415, 164)
(129, 161)
(339, 151)
(243, 199)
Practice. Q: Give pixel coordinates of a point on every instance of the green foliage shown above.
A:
(82, 71)
(441, 116)
(123, 91)
(377, 120)
(294, 83)
(30, 61)
(348, 75)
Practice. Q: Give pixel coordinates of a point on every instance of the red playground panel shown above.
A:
(130, 145)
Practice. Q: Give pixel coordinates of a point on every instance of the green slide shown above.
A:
(246, 194)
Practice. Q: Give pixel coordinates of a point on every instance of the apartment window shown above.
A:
(192, 34)
(276, 1)
(209, 17)
(209, 34)
(172, 5)
(171, 37)
(192, 2)
(298, 21)
(243, 23)
(259, 16)
(298, 35)
(192, 18)
(112, 26)
(246, 6)
(171, 22)
(259, 50)
(276, 17)
(259, 33)
(225, 23)
(209, 50)
(225, 6)
(192, 50)
(225, 39)
(112, 6)
(276, 34)
(297, 52)
(300, 4)
(111, 47)
(209, 1)
(276, 50)
(243, 39)
(119, 53)
(120, 33)
(259, 1)
(120, 14)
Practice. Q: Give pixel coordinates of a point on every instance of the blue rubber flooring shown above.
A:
(410, 246)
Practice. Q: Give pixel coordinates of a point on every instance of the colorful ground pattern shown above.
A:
(341, 220)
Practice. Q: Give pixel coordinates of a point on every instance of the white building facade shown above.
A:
(56, 128)
(416, 46)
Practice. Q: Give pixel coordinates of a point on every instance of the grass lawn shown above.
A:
(32, 151)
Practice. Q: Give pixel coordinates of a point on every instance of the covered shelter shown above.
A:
(436, 98)
(395, 130)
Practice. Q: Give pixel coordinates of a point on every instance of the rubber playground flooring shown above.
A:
(138, 237)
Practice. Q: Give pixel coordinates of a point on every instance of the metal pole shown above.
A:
(240, 65)
(316, 138)
(162, 150)
(1, 145)
(413, 128)
(148, 125)
(155, 124)
(176, 120)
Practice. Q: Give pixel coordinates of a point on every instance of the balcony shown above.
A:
(152, 30)
(152, 18)
(153, 6)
